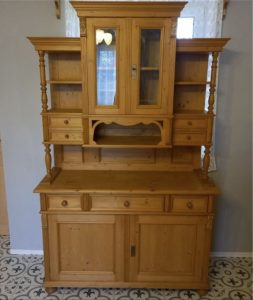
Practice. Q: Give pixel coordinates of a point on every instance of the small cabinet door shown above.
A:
(152, 66)
(167, 248)
(86, 247)
(106, 60)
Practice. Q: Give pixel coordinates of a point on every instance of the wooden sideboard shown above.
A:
(126, 200)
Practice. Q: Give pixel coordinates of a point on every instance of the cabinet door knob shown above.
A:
(126, 203)
(189, 205)
(66, 122)
(66, 136)
(190, 123)
(64, 203)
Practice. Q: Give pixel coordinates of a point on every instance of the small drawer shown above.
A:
(65, 122)
(189, 138)
(189, 123)
(56, 136)
(194, 204)
(64, 202)
(127, 203)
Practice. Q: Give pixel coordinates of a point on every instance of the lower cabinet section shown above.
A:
(168, 248)
(86, 248)
(126, 248)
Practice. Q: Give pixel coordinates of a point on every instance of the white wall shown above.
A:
(20, 106)
(234, 133)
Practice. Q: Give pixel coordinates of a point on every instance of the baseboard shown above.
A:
(232, 254)
(213, 254)
(26, 252)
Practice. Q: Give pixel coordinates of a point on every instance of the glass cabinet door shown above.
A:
(150, 59)
(150, 40)
(106, 65)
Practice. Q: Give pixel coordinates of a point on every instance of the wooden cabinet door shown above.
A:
(153, 60)
(86, 248)
(106, 60)
(167, 248)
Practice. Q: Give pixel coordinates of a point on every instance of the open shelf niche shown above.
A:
(129, 133)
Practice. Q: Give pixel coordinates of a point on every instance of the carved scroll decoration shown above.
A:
(83, 28)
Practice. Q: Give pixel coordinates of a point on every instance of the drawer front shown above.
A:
(65, 122)
(126, 203)
(190, 123)
(64, 202)
(189, 138)
(189, 204)
(66, 136)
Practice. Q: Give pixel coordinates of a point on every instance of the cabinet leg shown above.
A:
(202, 292)
(50, 290)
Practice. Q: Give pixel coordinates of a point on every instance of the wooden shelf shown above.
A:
(127, 182)
(64, 81)
(128, 141)
(192, 82)
(191, 112)
(65, 111)
(149, 69)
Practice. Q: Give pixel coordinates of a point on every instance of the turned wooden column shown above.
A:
(211, 101)
(48, 160)
(43, 83)
(44, 100)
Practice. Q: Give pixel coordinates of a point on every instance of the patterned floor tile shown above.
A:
(21, 278)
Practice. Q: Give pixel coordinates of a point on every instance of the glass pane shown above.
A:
(106, 66)
(150, 66)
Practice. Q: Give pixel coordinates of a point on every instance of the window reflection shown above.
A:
(106, 66)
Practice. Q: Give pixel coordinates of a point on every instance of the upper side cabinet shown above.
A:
(130, 66)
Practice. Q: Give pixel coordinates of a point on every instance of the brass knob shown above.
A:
(126, 203)
(66, 122)
(189, 137)
(190, 123)
(64, 203)
(66, 136)
(189, 205)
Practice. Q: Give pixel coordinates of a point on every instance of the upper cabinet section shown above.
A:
(129, 50)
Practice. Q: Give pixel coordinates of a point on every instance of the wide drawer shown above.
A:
(64, 202)
(65, 122)
(189, 123)
(57, 136)
(127, 203)
(189, 138)
(189, 204)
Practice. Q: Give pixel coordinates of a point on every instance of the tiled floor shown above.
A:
(21, 278)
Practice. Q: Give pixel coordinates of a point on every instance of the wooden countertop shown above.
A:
(136, 182)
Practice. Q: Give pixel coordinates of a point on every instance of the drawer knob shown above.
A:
(190, 123)
(66, 136)
(126, 203)
(189, 205)
(64, 203)
(189, 137)
(66, 122)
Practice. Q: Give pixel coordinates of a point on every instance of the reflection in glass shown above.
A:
(106, 66)
(150, 65)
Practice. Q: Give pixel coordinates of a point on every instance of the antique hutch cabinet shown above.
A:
(126, 200)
